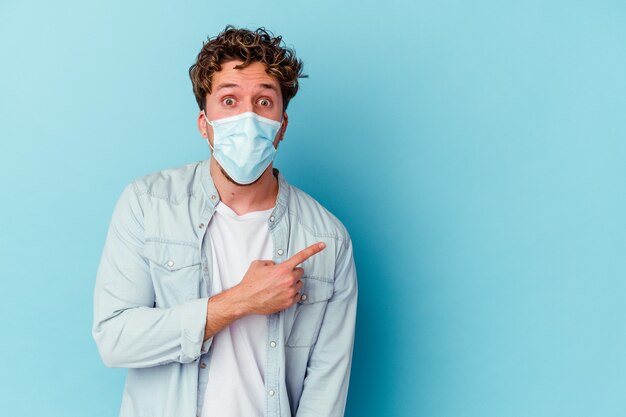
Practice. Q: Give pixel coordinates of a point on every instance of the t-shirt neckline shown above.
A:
(224, 209)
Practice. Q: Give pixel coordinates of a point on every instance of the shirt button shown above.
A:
(303, 297)
(271, 218)
(202, 365)
(201, 225)
(272, 344)
(280, 251)
(213, 197)
(271, 392)
(170, 263)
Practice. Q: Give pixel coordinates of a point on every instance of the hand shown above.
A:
(268, 287)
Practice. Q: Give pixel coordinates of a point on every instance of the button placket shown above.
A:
(274, 334)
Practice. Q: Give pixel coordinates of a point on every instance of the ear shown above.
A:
(283, 129)
(203, 126)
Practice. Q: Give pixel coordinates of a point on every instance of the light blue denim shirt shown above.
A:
(153, 286)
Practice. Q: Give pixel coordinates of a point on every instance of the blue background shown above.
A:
(474, 149)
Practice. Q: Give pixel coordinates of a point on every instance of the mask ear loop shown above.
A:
(211, 123)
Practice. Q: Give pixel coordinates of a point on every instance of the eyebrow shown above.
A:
(269, 86)
(226, 85)
(233, 85)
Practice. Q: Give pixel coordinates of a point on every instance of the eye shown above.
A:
(264, 102)
(228, 101)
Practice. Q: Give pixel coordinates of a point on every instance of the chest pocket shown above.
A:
(309, 311)
(175, 270)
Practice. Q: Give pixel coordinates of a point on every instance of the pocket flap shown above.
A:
(315, 289)
(172, 256)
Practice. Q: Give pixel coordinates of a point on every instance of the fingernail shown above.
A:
(322, 245)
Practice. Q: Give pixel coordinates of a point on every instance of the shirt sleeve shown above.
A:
(129, 330)
(325, 387)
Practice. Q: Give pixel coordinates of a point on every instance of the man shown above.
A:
(226, 291)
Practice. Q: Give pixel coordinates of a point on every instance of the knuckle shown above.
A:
(295, 277)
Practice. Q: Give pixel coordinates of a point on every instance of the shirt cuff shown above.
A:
(193, 322)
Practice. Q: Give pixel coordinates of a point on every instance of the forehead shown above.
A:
(252, 75)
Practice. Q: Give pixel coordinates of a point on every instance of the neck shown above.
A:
(243, 199)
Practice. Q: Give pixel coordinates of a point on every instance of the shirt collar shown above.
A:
(213, 196)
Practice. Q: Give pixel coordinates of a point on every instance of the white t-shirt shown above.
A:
(236, 386)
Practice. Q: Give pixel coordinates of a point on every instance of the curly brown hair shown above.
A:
(248, 46)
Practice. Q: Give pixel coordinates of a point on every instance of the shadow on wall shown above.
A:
(348, 173)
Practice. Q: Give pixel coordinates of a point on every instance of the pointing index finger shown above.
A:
(303, 255)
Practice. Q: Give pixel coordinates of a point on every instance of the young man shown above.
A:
(226, 291)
